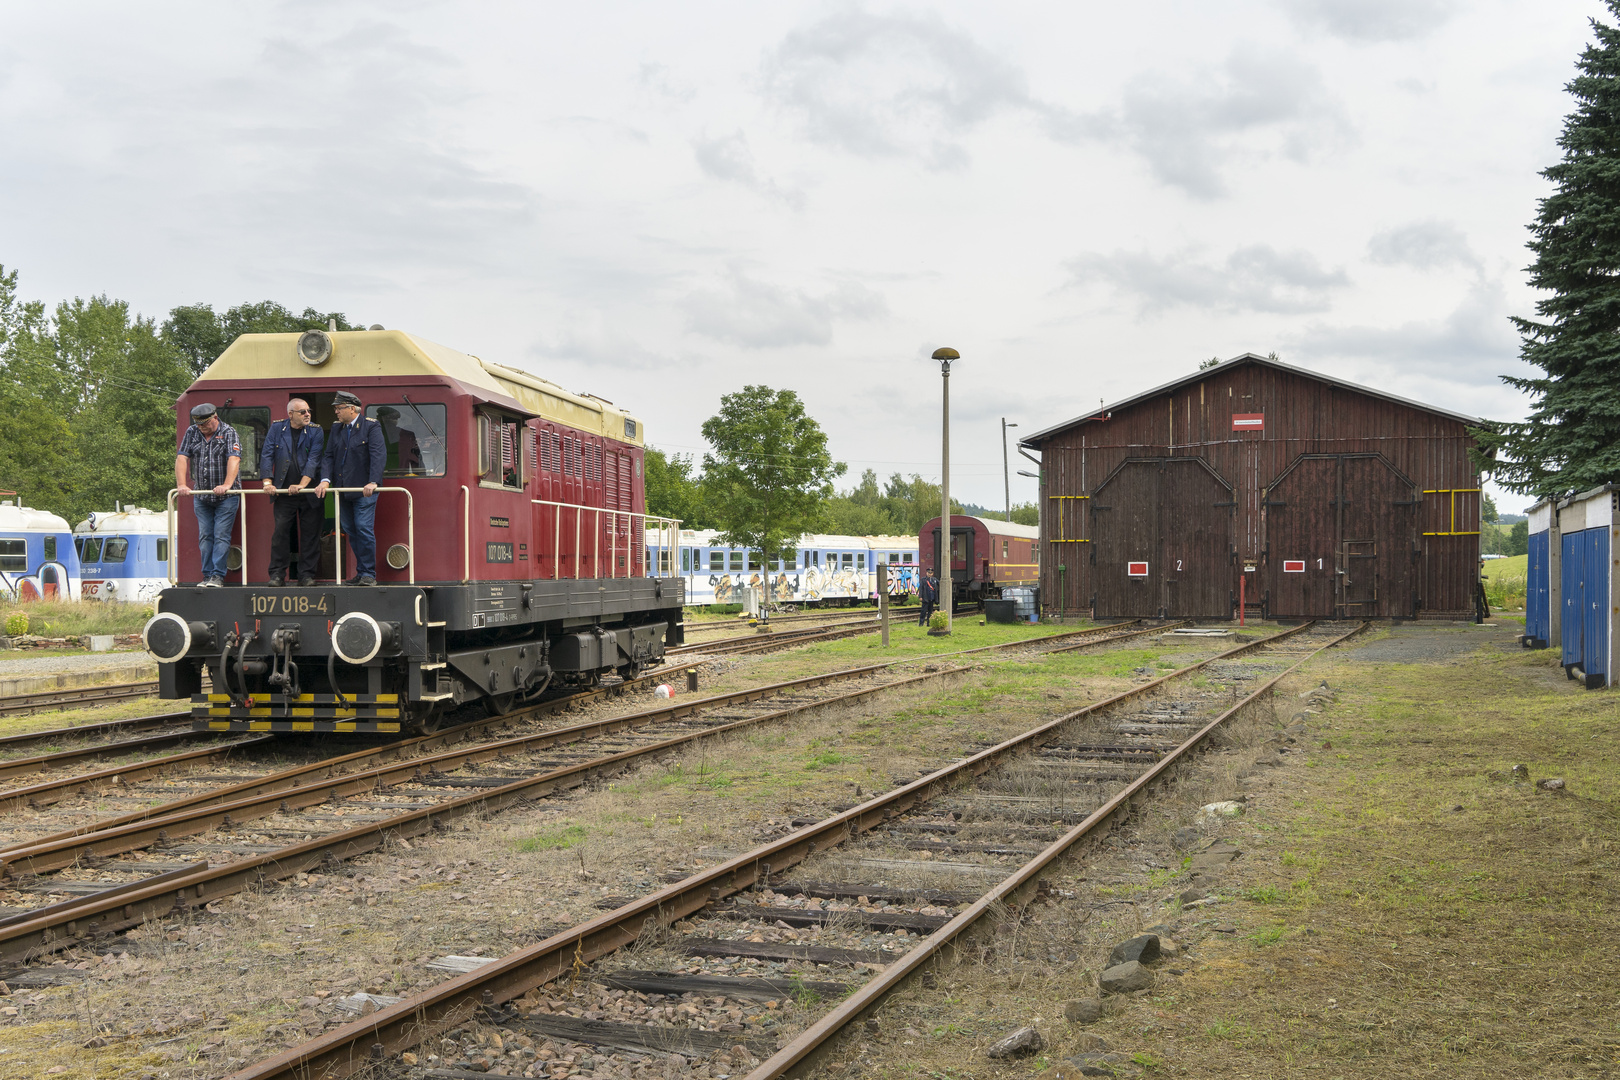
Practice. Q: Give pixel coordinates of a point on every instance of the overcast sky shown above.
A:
(659, 203)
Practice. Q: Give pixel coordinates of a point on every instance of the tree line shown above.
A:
(87, 422)
(88, 389)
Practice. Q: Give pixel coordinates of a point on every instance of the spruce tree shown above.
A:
(1571, 440)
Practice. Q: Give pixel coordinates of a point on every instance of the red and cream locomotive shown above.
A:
(510, 531)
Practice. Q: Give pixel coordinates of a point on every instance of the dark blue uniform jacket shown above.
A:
(355, 454)
(282, 445)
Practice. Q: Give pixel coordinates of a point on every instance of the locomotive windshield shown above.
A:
(415, 436)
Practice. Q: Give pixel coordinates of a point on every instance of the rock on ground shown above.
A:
(1142, 947)
(1021, 1043)
(1124, 978)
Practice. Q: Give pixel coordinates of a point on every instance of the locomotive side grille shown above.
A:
(551, 451)
(508, 451)
(570, 456)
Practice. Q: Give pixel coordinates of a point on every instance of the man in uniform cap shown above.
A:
(354, 457)
(210, 457)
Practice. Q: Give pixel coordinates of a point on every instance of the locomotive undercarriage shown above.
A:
(399, 658)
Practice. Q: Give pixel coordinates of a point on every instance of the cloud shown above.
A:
(1256, 278)
(1422, 245)
(758, 315)
(891, 85)
(1368, 21)
(1472, 344)
(1187, 129)
(728, 158)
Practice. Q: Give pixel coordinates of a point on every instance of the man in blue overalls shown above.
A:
(289, 462)
(355, 453)
(928, 593)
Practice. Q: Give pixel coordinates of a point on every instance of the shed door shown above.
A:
(1175, 515)
(1350, 519)
(1596, 661)
(1537, 616)
(1301, 571)
(1572, 590)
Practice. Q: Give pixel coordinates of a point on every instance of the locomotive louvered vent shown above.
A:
(612, 493)
(570, 454)
(508, 451)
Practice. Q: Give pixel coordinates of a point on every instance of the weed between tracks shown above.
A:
(1402, 907)
(198, 995)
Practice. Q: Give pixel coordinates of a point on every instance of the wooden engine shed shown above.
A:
(1303, 495)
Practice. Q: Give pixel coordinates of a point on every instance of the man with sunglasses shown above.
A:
(289, 463)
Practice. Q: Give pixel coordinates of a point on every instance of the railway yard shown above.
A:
(1023, 850)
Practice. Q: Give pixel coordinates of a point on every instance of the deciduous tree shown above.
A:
(769, 471)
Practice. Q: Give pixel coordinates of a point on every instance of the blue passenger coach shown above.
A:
(37, 560)
(124, 555)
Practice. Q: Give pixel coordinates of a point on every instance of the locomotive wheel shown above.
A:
(497, 704)
(429, 718)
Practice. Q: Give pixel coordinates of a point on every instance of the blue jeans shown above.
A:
(358, 516)
(215, 516)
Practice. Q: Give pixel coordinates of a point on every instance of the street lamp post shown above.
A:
(942, 551)
(1006, 480)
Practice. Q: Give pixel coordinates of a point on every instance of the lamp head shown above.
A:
(945, 356)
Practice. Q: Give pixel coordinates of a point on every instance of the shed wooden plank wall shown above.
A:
(1346, 474)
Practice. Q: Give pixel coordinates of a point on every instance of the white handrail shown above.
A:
(174, 530)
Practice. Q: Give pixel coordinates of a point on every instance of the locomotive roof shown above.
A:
(134, 519)
(14, 518)
(1034, 440)
(370, 353)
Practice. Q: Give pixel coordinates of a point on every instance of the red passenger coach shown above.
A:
(987, 555)
(510, 532)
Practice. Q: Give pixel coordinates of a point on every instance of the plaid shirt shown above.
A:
(210, 455)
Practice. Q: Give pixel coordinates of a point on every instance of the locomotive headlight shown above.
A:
(357, 637)
(314, 347)
(399, 556)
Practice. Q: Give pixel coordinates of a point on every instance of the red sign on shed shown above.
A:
(1248, 421)
(1136, 569)
(1293, 566)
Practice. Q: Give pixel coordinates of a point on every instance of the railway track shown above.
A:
(227, 837)
(1077, 769)
(74, 698)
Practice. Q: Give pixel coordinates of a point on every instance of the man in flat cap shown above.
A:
(210, 457)
(354, 458)
(289, 462)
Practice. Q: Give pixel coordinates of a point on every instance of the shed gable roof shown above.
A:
(1033, 441)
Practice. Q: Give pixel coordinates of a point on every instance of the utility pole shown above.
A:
(943, 552)
(1006, 479)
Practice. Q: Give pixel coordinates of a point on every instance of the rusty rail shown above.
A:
(398, 1027)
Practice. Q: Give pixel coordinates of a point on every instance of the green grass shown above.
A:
(1505, 582)
(63, 618)
(552, 840)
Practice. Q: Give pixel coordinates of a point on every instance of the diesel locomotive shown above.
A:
(511, 534)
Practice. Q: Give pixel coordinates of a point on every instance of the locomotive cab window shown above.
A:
(117, 549)
(503, 451)
(414, 435)
(89, 553)
(252, 424)
(50, 549)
